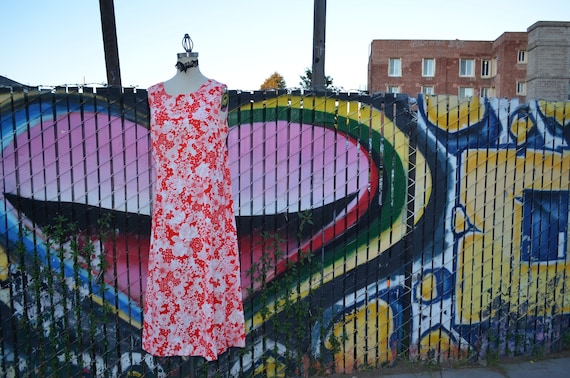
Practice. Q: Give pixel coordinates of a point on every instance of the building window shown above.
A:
(522, 56)
(466, 67)
(393, 89)
(521, 88)
(465, 92)
(428, 67)
(485, 68)
(395, 67)
(487, 92)
(428, 90)
(494, 66)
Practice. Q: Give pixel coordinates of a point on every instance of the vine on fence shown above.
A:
(60, 330)
(285, 312)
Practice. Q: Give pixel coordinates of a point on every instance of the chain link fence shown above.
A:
(374, 230)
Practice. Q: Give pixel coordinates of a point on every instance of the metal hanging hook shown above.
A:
(187, 43)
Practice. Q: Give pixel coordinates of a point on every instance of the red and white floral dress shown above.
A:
(193, 300)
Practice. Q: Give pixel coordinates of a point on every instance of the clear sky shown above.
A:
(241, 43)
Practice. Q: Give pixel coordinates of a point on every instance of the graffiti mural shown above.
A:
(372, 228)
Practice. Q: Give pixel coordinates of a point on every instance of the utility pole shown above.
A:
(319, 26)
(110, 45)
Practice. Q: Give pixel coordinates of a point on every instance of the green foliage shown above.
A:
(282, 308)
(565, 340)
(508, 326)
(58, 315)
(307, 80)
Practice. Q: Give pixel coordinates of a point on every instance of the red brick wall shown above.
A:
(447, 54)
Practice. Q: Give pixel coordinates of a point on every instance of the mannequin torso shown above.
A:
(188, 81)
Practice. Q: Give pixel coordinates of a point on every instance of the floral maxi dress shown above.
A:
(193, 301)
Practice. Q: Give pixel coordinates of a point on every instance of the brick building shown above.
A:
(506, 67)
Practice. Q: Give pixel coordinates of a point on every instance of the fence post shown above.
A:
(109, 29)
(319, 26)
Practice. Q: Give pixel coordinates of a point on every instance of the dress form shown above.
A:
(186, 80)
(193, 302)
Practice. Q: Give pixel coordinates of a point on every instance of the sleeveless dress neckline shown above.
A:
(185, 94)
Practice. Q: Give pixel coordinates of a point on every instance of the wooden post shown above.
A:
(319, 26)
(110, 45)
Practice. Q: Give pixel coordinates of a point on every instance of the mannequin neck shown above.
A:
(188, 77)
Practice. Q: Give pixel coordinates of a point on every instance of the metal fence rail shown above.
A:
(372, 229)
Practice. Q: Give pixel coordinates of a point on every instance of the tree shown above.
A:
(307, 80)
(275, 81)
